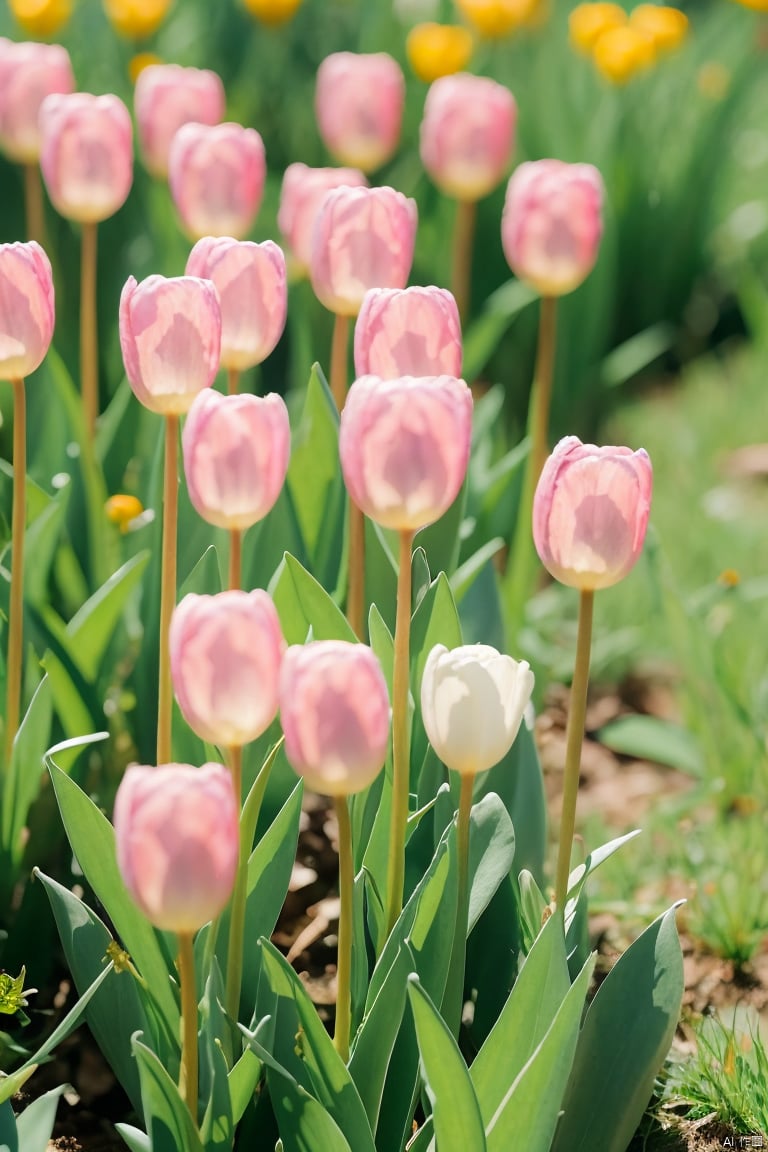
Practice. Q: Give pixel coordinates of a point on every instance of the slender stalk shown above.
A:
(574, 740)
(237, 908)
(454, 988)
(541, 397)
(463, 242)
(400, 734)
(339, 342)
(89, 352)
(235, 557)
(356, 576)
(167, 585)
(16, 606)
(233, 381)
(188, 1081)
(462, 839)
(344, 964)
(33, 203)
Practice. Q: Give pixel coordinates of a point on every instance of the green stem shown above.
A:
(463, 241)
(188, 1082)
(239, 895)
(33, 203)
(400, 741)
(89, 352)
(168, 586)
(233, 381)
(16, 605)
(344, 964)
(235, 557)
(356, 576)
(454, 988)
(574, 740)
(339, 342)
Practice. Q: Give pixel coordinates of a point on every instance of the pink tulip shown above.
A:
(334, 709)
(251, 282)
(170, 334)
(552, 224)
(590, 512)
(236, 451)
(363, 238)
(225, 662)
(28, 73)
(301, 197)
(86, 155)
(408, 332)
(359, 105)
(26, 309)
(177, 838)
(168, 96)
(216, 175)
(468, 134)
(404, 447)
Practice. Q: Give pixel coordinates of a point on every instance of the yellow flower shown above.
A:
(41, 17)
(436, 50)
(589, 21)
(667, 27)
(621, 52)
(136, 18)
(273, 12)
(123, 509)
(755, 5)
(139, 62)
(496, 18)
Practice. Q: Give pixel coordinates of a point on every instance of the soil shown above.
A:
(614, 787)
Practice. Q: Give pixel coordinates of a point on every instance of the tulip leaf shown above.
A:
(485, 332)
(518, 780)
(36, 1122)
(304, 1124)
(441, 541)
(435, 621)
(480, 610)
(651, 738)
(217, 1126)
(265, 544)
(42, 538)
(92, 627)
(421, 577)
(302, 604)
(380, 572)
(115, 1013)
(243, 1079)
(23, 781)
(383, 644)
(166, 1116)
(136, 1140)
(93, 842)
(455, 1110)
(9, 1137)
(626, 1035)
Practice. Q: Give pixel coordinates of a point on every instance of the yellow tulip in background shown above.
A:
(588, 22)
(622, 45)
(436, 50)
(620, 53)
(496, 18)
(41, 17)
(136, 18)
(667, 27)
(273, 12)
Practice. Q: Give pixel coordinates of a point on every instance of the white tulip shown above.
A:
(472, 703)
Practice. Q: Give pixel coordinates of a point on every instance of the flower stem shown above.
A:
(574, 740)
(339, 342)
(344, 965)
(167, 586)
(16, 605)
(356, 577)
(237, 908)
(463, 241)
(89, 353)
(454, 988)
(400, 736)
(33, 203)
(188, 1082)
(235, 557)
(233, 381)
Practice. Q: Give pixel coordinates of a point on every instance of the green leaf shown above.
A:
(383, 644)
(23, 782)
(91, 628)
(435, 621)
(455, 1110)
(441, 541)
(518, 780)
(304, 1124)
(166, 1116)
(650, 738)
(93, 843)
(217, 1127)
(36, 1122)
(626, 1035)
(302, 604)
(136, 1140)
(485, 333)
(42, 538)
(243, 1079)
(9, 1140)
(581, 872)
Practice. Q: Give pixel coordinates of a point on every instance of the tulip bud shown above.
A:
(467, 134)
(494, 19)
(29, 73)
(26, 309)
(303, 192)
(552, 224)
(216, 175)
(588, 22)
(86, 154)
(236, 451)
(41, 17)
(620, 53)
(408, 332)
(273, 13)
(177, 839)
(170, 335)
(168, 96)
(667, 27)
(136, 19)
(334, 709)
(253, 293)
(404, 447)
(363, 238)
(436, 50)
(225, 662)
(359, 105)
(472, 703)
(590, 513)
